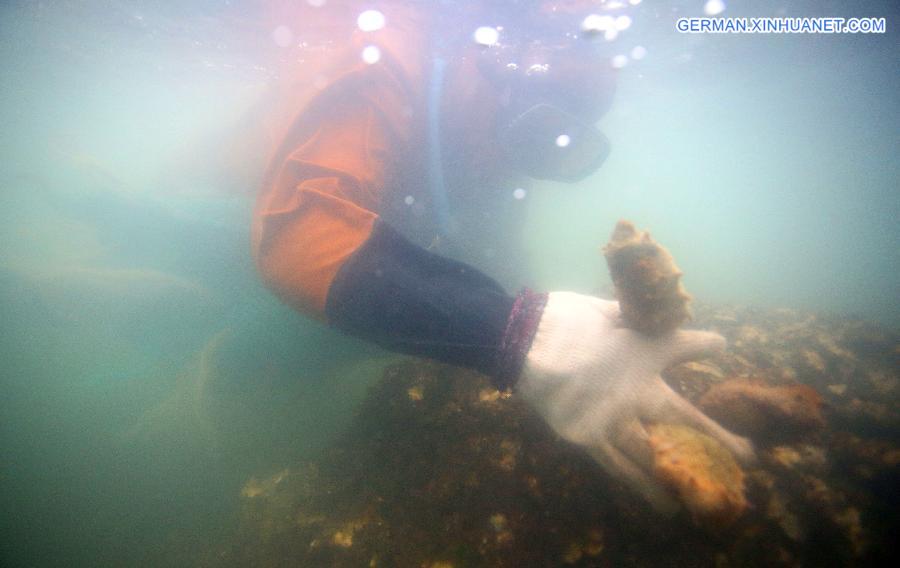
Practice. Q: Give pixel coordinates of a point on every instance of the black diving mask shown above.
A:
(546, 142)
(552, 97)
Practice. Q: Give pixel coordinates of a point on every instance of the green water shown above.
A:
(146, 373)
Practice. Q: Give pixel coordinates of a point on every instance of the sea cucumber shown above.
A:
(647, 281)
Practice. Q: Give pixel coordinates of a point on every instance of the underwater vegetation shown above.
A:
(440, 469)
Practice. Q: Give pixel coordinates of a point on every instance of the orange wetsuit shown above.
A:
(345, 214)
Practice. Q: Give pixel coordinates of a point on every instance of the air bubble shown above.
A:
(623, 23)
(713, 7)
(371, 54)
(282, 36)
(595, 23)
(486, 36)
(370, 21)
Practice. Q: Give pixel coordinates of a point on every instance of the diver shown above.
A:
(389, 210)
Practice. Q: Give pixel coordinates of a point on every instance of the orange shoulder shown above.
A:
(330, 166)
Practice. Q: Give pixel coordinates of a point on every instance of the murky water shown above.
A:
(147, 373)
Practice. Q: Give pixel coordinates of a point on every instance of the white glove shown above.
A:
(597, 383)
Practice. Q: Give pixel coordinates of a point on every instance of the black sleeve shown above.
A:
(407, 299)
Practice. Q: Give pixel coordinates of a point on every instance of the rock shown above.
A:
(263, 487)
(692, 378)
(838, 390)
(849, 520)
(748, 334)
(805, 457)
(415, 393)
(777, 510)
(814, 360)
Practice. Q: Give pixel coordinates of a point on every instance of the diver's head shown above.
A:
(554, 85)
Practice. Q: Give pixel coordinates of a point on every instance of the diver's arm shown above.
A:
(321, 246)
(334, 260)
(408, 299)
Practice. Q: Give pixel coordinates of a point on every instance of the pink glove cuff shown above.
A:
(520, 329)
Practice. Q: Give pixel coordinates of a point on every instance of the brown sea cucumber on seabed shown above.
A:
(701, 471)
(754, 408)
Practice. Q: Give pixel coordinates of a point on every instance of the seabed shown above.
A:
(439, 470)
